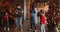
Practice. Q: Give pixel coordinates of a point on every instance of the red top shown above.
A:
(6, 18)
(43, 20)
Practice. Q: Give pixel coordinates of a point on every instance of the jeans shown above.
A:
(42, 28)
(19, 20)
(35, 25)
(34, 17)
(32, 22)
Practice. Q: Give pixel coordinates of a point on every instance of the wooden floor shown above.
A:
(26, 26)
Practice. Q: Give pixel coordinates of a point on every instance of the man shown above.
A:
(19, 16)
(33, 17)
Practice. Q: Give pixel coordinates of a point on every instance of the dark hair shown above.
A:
(5, 13)
(41, 11)
(17, 4)
(33, 5)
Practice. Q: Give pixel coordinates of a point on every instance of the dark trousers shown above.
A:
(32, 23)
(6, 24)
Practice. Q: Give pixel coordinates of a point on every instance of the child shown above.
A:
(42, 21)
(6, 19)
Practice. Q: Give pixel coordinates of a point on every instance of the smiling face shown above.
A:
(46, 8)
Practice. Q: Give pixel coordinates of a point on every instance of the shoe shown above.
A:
(36, 30)
(8, 29)
(4, 28)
